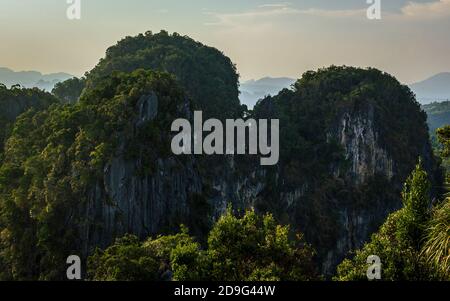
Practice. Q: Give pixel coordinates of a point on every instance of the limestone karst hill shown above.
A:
(76, 176)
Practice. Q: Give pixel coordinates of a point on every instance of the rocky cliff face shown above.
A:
(130, 201)
(127, 201)
(101, 168)
(359, 137)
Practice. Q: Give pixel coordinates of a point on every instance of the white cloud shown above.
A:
(264, 11)
(285, 40)
(437, 9)
(344, 13)
(280, 9)
(275, 5)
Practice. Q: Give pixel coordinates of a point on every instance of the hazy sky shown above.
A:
(275, 38)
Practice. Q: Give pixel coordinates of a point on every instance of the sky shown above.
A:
(263, 38)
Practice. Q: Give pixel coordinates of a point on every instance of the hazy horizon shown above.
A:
(241, 80)
(263, 38)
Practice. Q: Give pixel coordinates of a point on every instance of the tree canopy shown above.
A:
(16, 101)
(69, 90)
(208, 76)
(413, 243)
(249, 248)
(53, 156)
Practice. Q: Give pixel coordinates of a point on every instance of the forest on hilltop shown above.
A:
(89, 171)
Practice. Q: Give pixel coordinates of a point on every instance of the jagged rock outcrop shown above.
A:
(129, 202)
(358, 135)
(84, 174)
(143, 205)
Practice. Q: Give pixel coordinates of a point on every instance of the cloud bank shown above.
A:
(411, 11)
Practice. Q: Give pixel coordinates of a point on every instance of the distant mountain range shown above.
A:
(438, 114)
(433, 89)
(253, 90)
(31, 79)
(433, 93)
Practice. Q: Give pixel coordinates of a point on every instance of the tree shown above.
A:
(16, 101)
(125, 260)
(257, 248)
(414, 242)
(129, 259)
(416, 203)
(310, 114)
(251, 248)
(54, 155)
(436, 249)
(398, 241)
(444, 139)
(209, 77)
(70, 90)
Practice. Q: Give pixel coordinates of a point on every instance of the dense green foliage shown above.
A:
(319, 99)
(438, 115)
(129, 259)
(310, 115)
(207, 75)
(54, 155)
(16, 101)
(70, 90)
(414, 242)
(400, 241)
(436, 249)
(438, 119)
(396, 241)
(443, 135)
(249, 248)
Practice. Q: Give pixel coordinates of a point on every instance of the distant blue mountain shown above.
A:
(438, 114)
(435, 88)
(253, 90)
(31, 79)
